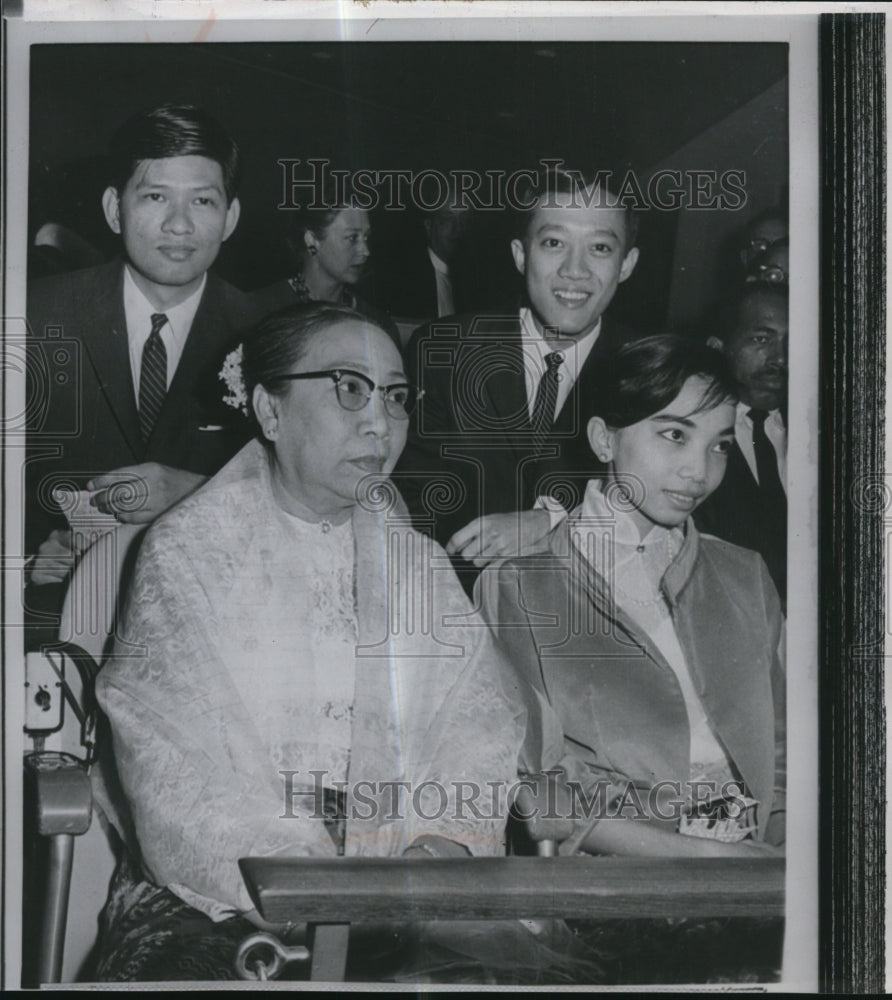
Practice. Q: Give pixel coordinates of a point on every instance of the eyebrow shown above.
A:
(355, 366)
(669, 418)
(200, 187)
(598, 234)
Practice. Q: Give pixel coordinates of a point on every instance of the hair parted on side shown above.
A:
(643, 377)
(173, 130)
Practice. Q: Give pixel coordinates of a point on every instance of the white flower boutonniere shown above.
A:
(231, 376)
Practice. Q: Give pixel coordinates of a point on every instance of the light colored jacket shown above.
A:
(604, 704)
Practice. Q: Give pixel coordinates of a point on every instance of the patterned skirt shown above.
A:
(149, 935)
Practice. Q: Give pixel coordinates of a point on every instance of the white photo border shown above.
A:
(368, 24)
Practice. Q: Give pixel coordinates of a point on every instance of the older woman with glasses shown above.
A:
(278, 673)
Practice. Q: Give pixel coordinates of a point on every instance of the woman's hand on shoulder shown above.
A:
(500, 536)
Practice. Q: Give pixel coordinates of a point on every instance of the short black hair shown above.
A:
(644, 376)
(775, 214)
(173, 130)
(550, 182)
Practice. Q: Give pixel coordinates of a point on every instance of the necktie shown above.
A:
(152, 377)
(766, 462)
(546, 396)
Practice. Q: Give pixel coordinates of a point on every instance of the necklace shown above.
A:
(658, 597)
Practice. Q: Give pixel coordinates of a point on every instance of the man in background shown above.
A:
(750, 506)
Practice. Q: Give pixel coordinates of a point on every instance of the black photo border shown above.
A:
(855, 503)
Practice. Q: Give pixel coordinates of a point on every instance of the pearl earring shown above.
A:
(312, 251)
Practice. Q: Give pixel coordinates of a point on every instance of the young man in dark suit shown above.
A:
(118, 352)
(502, 420)
(750, 506)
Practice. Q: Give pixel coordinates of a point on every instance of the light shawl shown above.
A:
(430, 702)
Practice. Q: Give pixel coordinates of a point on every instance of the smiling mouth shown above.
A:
(571, 299)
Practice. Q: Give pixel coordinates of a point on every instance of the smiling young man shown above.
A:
(122, 348)
(750, 506)
(500, 423)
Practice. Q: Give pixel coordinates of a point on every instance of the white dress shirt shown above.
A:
(445, 300)
(536, 347)
(138, 312)
(774, 431)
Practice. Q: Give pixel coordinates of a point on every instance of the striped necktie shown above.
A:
(152, 377)
(545, 403)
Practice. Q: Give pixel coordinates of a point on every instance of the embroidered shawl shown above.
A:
(209, 604)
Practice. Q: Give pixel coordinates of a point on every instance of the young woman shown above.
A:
(649, 654)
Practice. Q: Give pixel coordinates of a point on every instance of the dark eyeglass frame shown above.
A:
(397, 410)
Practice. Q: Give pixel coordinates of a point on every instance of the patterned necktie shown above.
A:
(766, 462)
(152, 377)
(546, 396)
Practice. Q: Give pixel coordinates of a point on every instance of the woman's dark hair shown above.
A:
(548, 183)
(319, 213)
(173, 130)
(281, 339)
(643, 377)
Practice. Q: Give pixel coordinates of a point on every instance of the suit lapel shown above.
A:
(739, 471)
(577, 407)
(735, 692)
(598, 681)
(109, 352)
(505, 383)
(428, 287)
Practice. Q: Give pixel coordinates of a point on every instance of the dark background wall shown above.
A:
(415, 106)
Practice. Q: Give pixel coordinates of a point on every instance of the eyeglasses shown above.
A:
(773, 273)
(759, 244)
(355, 390)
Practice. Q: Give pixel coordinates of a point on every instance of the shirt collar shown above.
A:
(743, 410)
(438, 263)
(626, 536)
(574, 353)
(531, 334)
(139, 310)
(601, 508)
